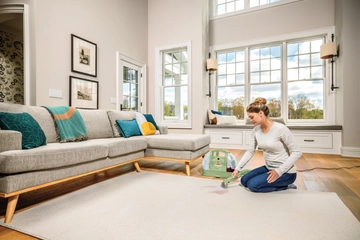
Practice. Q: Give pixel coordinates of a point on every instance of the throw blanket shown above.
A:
(69, 123)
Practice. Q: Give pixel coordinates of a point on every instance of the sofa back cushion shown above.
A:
(97, 123)
(40, 114)
(119, 115)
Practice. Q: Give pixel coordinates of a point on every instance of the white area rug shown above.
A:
(157, 206)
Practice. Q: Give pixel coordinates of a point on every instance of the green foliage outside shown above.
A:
(299, 107)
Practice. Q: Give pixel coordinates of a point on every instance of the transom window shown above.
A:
(288, 74)
(231, 6)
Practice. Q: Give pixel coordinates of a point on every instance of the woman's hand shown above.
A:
(234, 173)
(273, 176)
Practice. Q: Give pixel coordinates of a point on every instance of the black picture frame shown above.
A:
(83, 56)
(84, 93)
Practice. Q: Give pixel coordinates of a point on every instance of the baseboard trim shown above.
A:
(350, 152)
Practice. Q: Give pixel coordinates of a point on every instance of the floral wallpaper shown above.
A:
(11, 68)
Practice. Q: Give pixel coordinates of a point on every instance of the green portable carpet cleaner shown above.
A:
(225, 183)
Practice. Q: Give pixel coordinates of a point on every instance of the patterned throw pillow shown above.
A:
(128, 128)
(146, 128)
(149, 118)
(32, 134)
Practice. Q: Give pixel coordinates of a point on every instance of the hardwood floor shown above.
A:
(316, 172)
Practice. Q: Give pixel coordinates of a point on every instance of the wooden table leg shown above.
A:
(10, 209)
(187, 167)
(137, 167)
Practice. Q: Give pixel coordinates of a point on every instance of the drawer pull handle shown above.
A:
(309, 140)
(225, 137)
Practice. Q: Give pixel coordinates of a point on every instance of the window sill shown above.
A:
(250, 126)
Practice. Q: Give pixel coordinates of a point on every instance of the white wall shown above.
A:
(348, 74)
(284, 19)
(114, 25)
(173, 22)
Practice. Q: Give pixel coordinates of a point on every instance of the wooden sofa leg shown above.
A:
(10, 209)
(187, 167)
(137, 167)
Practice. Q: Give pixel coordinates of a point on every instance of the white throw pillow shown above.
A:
(211, 116)
(225, 120)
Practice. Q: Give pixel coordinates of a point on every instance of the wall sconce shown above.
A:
(211, 66)
(328, 50)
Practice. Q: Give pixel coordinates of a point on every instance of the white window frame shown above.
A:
(159, 101)
(247, 9)
(329, 96)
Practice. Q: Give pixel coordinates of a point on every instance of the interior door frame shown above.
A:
(121, 59)
(24, 9)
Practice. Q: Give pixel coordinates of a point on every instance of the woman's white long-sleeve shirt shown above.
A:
(279, 146)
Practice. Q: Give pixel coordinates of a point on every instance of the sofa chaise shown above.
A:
(24, 170)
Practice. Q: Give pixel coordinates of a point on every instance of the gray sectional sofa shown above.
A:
(23, 170)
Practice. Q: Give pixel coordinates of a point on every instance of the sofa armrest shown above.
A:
(10, 140)
(163, 129)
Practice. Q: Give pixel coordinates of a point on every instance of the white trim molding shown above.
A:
(350, 152)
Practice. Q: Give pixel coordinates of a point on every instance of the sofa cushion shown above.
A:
(123, 146)
(97, 123)
(118, 115)
(128, 128)
(53, 155)
(149, 117)
(32, 134)
(146, 128)
(190, 142)
(40, 114)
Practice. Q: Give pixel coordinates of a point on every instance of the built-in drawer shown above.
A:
(226, 138)
(314, 140)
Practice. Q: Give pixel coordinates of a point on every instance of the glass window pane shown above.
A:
(254, 77)
(230, 7)
(230, 57)
(265, 64)
(275, 63)
(254, 66)
(126, 103)
(184, 79)
(239, 5)
(240, 67)
(315, 45)
(175, 103)
(304, 60)
(231, 79)
(240, 56)
(222, 69)
(315, 59)
(272, 93)
(126, 88)
(240, 78)
(168, 81)
(254, 3)
(276, 51)
(168, 58)
(134, 90)
(292, 49)
(275, 76)
(221, 1)
(134, 104)
(221, 9)
(293, 74)
(222, 80)
(231, 101)
(254, 54)
(265, 52)
(304, 47)
(306, 100)
(184, 67)
(304, 73)
(316, 72)
(231, 68)
(265, 77)
(221, 58)
(292, 62)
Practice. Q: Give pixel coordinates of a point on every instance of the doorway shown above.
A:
(131, 84)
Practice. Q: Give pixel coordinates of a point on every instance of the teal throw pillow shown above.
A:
(150, 118)
(128, 128)
(32, 134)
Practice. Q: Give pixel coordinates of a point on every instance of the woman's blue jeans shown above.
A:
(256, 180)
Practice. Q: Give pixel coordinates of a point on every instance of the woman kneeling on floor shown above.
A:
(280, 152)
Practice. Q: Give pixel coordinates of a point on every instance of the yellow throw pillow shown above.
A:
(148, 128)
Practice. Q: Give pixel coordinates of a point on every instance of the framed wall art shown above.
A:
(83, 56)
(84, 93)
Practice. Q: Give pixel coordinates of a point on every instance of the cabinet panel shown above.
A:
(314, 140)
(226, 138)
